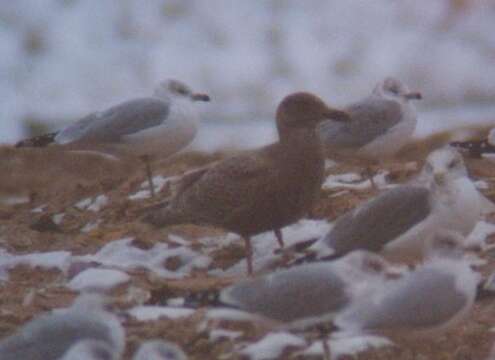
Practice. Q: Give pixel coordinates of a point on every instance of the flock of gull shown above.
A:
(345, 278)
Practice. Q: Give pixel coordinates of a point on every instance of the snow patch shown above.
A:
(48, 260)
(221, 334)
(355, 181)
(121, 254)
(98, 279)
(92, 204)
(264, 245)
(149, 313)
(158, 183)
(348, 345)
(272, 346)
(90, 226)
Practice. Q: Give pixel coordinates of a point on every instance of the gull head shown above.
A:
(393, 89)
(444, 166)
(176, 89)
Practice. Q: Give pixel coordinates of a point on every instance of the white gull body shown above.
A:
(50, 336)
(380, 125)
(403, 219)
(159, 350)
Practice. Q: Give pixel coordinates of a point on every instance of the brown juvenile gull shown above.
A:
(260, 190)
(156, 126)
(402, 220)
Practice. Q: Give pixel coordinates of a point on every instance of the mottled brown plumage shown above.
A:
(259, 190)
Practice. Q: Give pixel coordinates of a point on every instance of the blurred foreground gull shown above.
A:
(403, 219)
(259, 190)
(91, 350)
(380, 124)
(431, 298)
(159, 350)
(308, 294)
(50, 336)
(157, 126)
(478, 148)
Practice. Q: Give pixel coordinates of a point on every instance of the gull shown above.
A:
(259, 190)
(381, 124)
(430, 299)
(50, 336)
(310, 294)
(159, 350)
(144, 128)
(403, 219)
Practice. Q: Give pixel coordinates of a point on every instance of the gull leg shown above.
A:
(149, 174)
(369, 174)
(324, 341)
(280, 239)
(249, 254)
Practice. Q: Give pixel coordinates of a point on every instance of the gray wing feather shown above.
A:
(301, 292)
(380, 220)
(369, 119)
(111, 125)
(425, 300)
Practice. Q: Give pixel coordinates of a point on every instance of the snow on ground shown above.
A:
(158, 183)
(94, 204)
(272, 346)
(265, 244)
(98, 279)
(121, 254)
(55, 259)
(348, 345)
(149, 313)
(355, 181)
(221, 334)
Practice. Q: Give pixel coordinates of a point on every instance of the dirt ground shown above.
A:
(59, 181)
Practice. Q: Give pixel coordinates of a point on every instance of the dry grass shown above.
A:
(60, 180)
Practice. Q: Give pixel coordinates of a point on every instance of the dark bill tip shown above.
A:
(413, 96)
(200, 97)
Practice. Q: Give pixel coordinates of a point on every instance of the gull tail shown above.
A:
(38, 141)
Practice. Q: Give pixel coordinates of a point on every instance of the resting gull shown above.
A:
(404, 218)
(156, 126)
(433, 297)
(50, 336)
(260, 190)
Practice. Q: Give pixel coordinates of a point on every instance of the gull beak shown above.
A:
(337, 115)
(200, 97)
(413, 96)
(440, 178)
